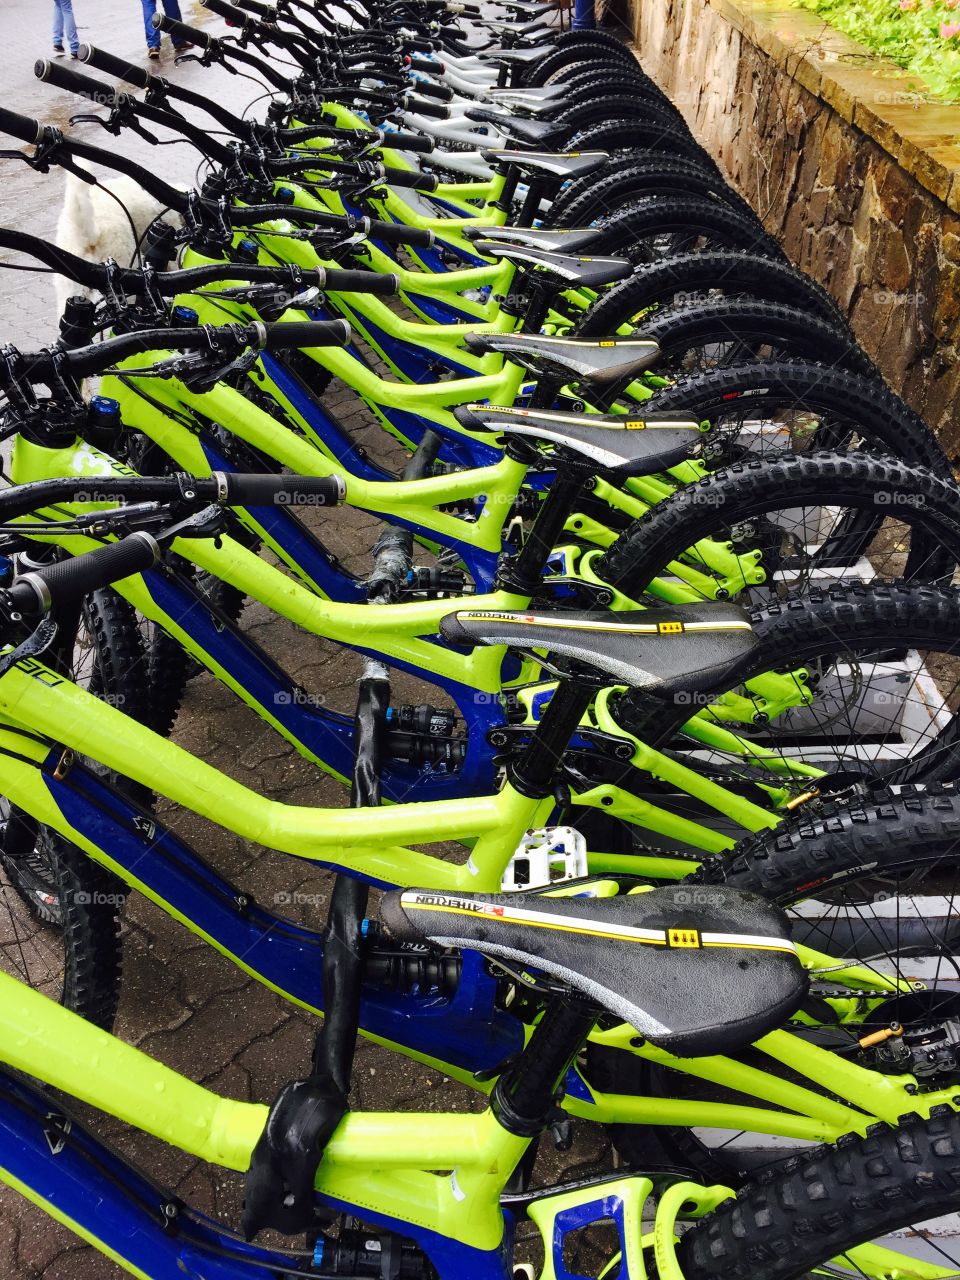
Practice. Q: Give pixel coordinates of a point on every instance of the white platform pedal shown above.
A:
(548, 856)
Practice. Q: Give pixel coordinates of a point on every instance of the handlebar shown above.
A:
(68, 581)
(227, 489)
(442, 92)
(23, 128)
(389, 232)
(185, 34)
(114, 66)
(424, 107)
(140, 79)
(33, 132)
(97, 91)
(399, 139)
(86, 362)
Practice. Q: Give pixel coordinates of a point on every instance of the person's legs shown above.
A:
(57, 26)
(70, 25)
(172, 9)
(153, 36)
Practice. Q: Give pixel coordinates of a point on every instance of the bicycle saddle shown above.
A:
(570, 272)
(570, 164)
(535, 132)
(696, 974)
(633, 447)
(683, 649)
(555, 239)
(600, 363)
(521, 57)
(531, 99)
(533, 27)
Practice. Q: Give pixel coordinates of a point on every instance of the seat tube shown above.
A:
(523, 574)
(526, 1093)
(534, 773)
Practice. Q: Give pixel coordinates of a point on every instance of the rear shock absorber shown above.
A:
(409, 969)
(371, 1253)
(423, 735)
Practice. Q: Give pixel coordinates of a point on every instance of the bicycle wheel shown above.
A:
(866, 686)
(717, 334)
(617, 184)
(590, 78)
(59, 911)
(895, 1189)
(655, 227)
(570, 54)
(632, 136)
(790, 523)
(797, 405)
(691, 278)
(599, 106)
(872, 882)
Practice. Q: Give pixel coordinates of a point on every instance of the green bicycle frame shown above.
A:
(38, 707)
(402, 633)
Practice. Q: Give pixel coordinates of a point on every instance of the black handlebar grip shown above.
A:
(23, 127)
(70, 580)
(424, 64)
(401, 140)
(267, 11)
(416, 45)
(64, 77)
(113, 66)
(413, 181)
(442, 92)
(284, 491)
(307, 333)
(424, 107)
(180, 30)
(397, 233)
(382, 284)
(225, 10)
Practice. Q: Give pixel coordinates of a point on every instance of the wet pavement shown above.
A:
(183, 1002)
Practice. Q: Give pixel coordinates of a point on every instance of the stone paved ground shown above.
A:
(182, 1002)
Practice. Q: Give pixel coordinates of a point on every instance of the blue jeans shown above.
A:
(63, 20)
(170, 7)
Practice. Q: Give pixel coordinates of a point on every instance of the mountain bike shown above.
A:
(454, 1015)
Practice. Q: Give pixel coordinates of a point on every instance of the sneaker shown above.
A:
(58, 50)
(74, 54)
(153, 53)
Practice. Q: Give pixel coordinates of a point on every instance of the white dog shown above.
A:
(93, 226)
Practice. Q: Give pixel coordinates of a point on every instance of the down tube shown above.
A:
(459, 1035)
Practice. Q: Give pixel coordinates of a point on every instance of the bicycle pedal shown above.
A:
(546, 857)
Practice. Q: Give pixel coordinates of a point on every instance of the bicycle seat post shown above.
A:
(525, 1095)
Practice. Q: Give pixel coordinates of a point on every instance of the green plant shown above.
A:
(923, 36)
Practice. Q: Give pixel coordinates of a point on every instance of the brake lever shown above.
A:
(199, 378)
(208, 523)
(37, 642)
(45, 154)
(118, 120)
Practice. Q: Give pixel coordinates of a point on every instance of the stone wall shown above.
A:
(853, 171)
